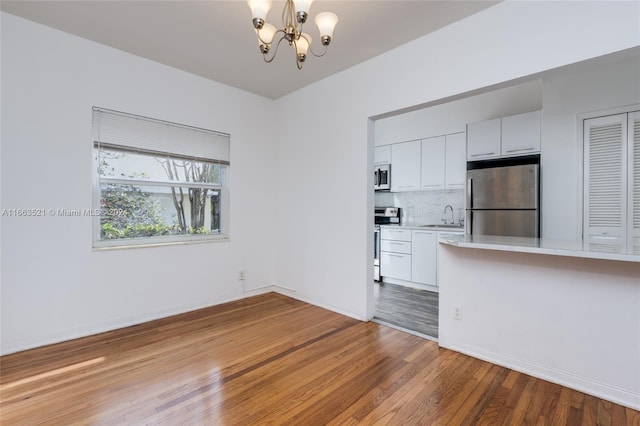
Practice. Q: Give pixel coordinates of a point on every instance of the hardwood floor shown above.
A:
(406, 307)
(274, 360)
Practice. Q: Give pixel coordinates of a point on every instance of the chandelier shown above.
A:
(294, 15)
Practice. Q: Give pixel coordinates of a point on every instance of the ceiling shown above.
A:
(215, 39)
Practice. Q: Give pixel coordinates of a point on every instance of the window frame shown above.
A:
(134, 242)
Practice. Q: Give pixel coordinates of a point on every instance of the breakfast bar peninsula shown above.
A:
(558, 310)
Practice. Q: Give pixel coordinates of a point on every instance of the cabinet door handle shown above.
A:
(395, 255)
(431, 184)
(520, 150)
(423, 232)
(483, 154)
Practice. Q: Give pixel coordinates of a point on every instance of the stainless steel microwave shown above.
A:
(382, 177)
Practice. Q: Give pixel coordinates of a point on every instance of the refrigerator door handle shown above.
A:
(469, 193)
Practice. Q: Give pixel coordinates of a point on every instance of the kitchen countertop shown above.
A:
(541, 246)
(436, 227)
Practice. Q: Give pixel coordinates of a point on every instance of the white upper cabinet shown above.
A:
(405, 171)
(483, 140)
(433, 163)
(504, 137)
(521, 134)
(455, 160)
(382, 155)
(444, 162)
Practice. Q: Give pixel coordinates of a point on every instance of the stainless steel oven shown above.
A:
(383, 216)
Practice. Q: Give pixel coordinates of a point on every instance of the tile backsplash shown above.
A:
(424, 207)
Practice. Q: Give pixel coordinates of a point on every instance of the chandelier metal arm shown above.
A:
(266, 42)
(317, 55)
(275, 51)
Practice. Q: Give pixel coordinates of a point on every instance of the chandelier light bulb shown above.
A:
(302, 44)
(266, 33)
(302, 9)
(326, 22)
(259, 10)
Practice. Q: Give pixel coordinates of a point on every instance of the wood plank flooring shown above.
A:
(406, 307)
(274, 360)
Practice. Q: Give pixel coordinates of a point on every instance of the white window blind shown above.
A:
(126, 131)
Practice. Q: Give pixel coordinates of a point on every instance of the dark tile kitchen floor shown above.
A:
(408, 308)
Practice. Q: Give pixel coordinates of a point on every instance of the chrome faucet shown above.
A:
(448, 206)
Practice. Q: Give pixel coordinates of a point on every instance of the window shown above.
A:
(157, 182)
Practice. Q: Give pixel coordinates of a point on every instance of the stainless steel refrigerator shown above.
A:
(504, 200)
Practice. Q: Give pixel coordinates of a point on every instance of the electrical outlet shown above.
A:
(241, 276)
(457, 312)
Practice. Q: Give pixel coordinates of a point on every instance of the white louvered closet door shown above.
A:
(634, 183)
(605, 189)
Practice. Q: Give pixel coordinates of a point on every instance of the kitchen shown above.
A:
(422, 183)
(534, 304)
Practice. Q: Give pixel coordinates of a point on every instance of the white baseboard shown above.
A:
(291, 293)
(579, 383)
(411, 284)
(275, 286)
(104, 326)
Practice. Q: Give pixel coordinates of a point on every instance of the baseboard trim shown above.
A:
(291, 293)
(122, 322)
(583, 384)
(276, 286)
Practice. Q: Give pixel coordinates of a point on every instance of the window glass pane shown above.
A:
(132, 211)
(124, 164)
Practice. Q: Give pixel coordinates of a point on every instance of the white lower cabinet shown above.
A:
(395, 253)
(424, 257)
(411, 256)
(395, 265)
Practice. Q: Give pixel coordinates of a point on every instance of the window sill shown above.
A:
(221, 239)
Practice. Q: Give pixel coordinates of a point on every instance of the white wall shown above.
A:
(593, 88)
(569, 320)
(54, 287)
(325, 136)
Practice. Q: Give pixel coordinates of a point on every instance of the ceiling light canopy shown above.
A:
(294, 15)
